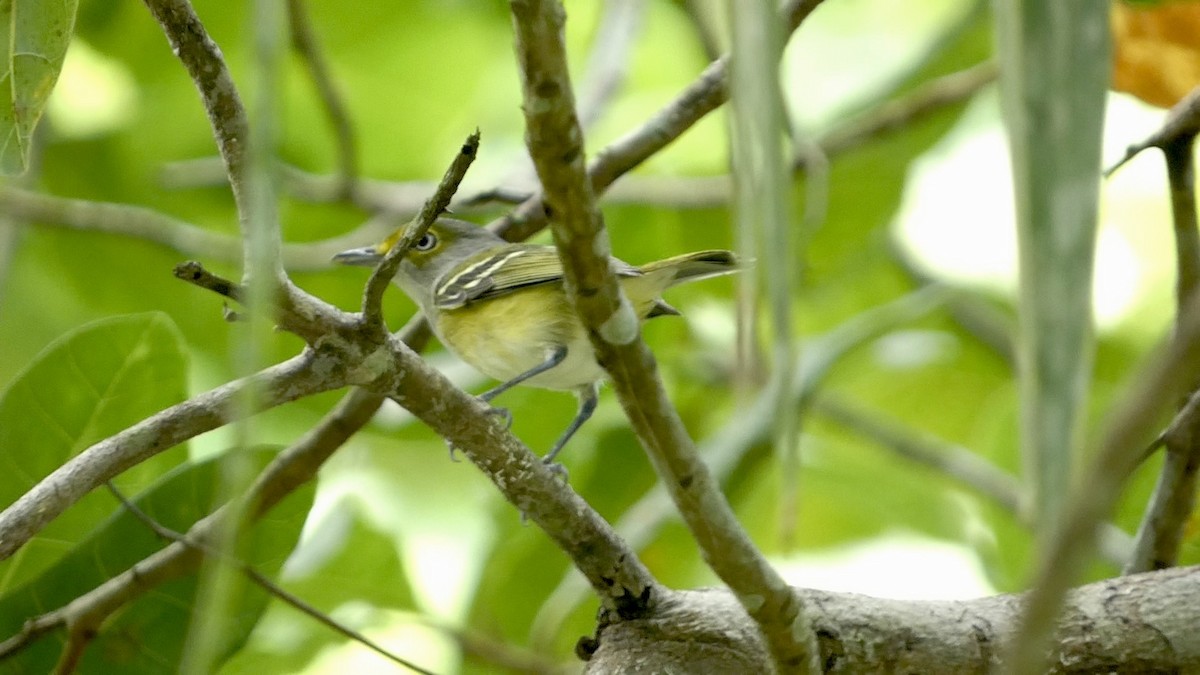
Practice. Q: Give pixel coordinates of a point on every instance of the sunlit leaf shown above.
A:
(82, 388)
(149, 634)
(32, 47)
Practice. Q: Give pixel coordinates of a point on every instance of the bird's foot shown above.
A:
(557, 469)
(503, 413)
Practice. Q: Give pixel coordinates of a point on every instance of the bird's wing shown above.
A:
(501, 272)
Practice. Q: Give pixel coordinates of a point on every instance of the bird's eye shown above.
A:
(426, 242)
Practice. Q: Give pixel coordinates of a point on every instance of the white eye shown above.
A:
(426, 242)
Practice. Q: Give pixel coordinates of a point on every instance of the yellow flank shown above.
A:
(505, 336)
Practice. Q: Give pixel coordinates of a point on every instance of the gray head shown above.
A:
(447, 244)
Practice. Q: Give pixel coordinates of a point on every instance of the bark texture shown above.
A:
(1142, 623)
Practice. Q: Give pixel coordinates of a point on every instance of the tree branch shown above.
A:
(1183, 121)
(1141, 623)
(704, 95)
(309, 373)
(556, 145)
(257, 578)
(963, 466)
(290, 469)
(730, 449)
(1161, 531)
(382, 275)
(610, 566)
(1170, 373)
(202, 58)
(1174, 497)
(391, 199)
(608, 59)
(304, 41)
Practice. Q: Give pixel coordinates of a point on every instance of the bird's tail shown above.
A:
(658, 276)
(691, 267)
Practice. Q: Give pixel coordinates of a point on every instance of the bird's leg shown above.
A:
(588, 397)
(553, 358)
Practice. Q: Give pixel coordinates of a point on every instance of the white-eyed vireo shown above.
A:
(501, 307)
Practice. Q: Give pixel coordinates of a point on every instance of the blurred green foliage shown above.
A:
(400, 531)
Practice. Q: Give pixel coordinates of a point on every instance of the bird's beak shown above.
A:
(366, 256)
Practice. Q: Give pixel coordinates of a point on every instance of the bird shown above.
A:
(502, 308)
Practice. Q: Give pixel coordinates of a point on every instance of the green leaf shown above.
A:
(1055, 61)
(82, 388)
(365, 570)
(33, 48)
(149, 634)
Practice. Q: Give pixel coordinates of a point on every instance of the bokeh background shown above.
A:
(419, 552)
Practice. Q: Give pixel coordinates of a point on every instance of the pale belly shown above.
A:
(503, 343)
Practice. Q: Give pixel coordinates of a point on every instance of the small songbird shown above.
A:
(501, 307)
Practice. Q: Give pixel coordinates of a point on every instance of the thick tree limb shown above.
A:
(1142, 623)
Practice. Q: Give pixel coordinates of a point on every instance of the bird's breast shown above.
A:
(505, 336)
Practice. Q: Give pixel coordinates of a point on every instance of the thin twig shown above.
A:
(372, 305)
(304, 41)
(893, 115)
(608, 60)
(400, 198)
(612, 161)
(496, 653)
(290, 469)
(705, 34)
(1181, 176)
(1161, 531)
(978, 316)
(307, 317)
(957, 463)
(961, 465)
(705, 94)
(259, 579)
(194, 273)
(202, 58)
(1182, 121)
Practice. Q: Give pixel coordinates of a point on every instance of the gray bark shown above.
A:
(1143, 623)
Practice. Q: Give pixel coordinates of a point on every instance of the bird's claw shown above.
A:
(503, 413)
(557, 469)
